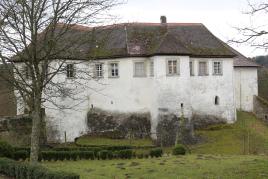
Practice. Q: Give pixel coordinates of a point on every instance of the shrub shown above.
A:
(73, 155)
(23, 170)
(88, 155)
(21, 154)
(124, 154)
(157, 152)
(6, 150)
(105, 154)
(49, 155)
(179, 150)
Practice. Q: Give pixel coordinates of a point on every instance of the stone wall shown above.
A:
(138, 125)
(16, 130)
(260, 108)
(203, 121)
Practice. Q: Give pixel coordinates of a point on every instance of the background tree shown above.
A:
(255, 34)
(33, 34)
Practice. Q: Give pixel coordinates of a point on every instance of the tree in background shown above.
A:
(255, 34)
(33, 33)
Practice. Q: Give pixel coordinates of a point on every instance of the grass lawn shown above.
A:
(247, 136)
(88, 140)
(170, 167)
(218, 156)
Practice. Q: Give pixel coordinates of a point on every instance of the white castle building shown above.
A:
(156, 68)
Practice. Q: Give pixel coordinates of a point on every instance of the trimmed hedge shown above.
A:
(157, 152)
(21, 155)
(23, 170)
(124, 154)
(179, 150)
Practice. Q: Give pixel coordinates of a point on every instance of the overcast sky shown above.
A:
(219, 16)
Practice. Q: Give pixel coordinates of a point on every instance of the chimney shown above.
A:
(163, 19)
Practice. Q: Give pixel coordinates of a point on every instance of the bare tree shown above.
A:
(36, 33)
(256, 33)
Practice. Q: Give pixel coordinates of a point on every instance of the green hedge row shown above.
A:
(75, 155)
(18, 170)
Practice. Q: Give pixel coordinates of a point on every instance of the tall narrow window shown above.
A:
(217, 68)
(172, 67)
(26, 72)
(99, 70)
(139, 69)
(151, 68)
(70, 70)
(217, 100)
(203, 71)
(191, 65)
(114, 70)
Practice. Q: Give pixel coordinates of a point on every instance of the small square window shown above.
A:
(70, 71)
(217, 68)
(114, 70)
(99, 70)
(172, 67)
(202, 70)
(139, 69)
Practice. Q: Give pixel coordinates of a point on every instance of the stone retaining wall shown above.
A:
(260, 108)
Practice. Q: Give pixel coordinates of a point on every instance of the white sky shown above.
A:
(219, 16)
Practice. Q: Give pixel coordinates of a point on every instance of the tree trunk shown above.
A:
(36, 130)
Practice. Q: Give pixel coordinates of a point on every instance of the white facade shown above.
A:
(246, 86)
(180, 94)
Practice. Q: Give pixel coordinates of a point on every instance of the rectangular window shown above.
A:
(151, 68)
(114, 71)
(172, 67)
(70, 70)
(191, 64)
(139, 69)
(217, 68)
(203, 71)
(26, 72)
(99, 70)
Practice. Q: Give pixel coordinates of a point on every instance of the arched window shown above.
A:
(217, 100)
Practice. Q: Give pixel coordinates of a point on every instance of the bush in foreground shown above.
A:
(158, 152)
(6, 150)
(24, 170)
(179, 150)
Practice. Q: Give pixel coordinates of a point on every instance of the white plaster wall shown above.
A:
(204, 89)
(142, 94)
(246, 86)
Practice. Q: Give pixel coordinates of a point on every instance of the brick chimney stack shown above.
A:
(163, 19)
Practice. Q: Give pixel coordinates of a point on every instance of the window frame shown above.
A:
(111, 68)
(96, 71)
(177, 67)
(151, 68)
(207, 68)
(144, 69)
(192, 67)
(68, 72)
(221, 67)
